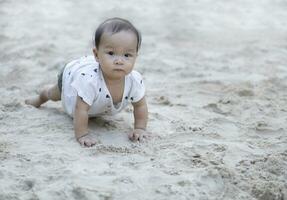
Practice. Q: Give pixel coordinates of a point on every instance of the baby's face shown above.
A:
(117, 54)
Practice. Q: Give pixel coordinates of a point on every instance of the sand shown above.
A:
(216, 78)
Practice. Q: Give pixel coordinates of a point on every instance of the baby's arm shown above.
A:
(140, 116)
(81, 119)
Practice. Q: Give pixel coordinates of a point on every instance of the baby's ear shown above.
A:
(95, 51)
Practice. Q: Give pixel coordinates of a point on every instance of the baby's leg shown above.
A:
(49, 92)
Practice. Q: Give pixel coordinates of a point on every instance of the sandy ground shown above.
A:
(216, 78)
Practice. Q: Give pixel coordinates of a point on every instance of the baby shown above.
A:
(102, 84)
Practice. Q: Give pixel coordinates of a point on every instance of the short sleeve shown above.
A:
(138, 87)
(85, 88)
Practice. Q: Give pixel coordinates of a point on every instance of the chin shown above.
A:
(119, 72)
(118, 76)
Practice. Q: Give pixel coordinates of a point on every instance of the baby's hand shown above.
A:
(138, 135)
(87, 141)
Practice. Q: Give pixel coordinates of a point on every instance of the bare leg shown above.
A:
(49, 92)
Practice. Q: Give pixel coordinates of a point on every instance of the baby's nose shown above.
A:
(119, 60)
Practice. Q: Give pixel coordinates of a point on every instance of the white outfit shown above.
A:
(84, 77)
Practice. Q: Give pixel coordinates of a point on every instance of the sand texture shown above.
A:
(216, 78)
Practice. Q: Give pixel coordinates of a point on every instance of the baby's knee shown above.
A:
(53, 94)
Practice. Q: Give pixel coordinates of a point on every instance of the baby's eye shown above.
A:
(127, 55)
(111, 53)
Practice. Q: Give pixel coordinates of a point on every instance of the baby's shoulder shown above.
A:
(84, 71)
(86, 65)
(135, 80)
(135, 76)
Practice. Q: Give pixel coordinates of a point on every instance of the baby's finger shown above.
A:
(88, 143)
(82, 143)
(136, 136)
(131, 136)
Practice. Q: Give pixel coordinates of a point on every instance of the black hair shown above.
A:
(115, 25)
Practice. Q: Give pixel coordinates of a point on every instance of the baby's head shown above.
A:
(117, 43)
(116, 25)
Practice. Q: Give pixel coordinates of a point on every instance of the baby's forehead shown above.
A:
(122, 38)
(127, 33)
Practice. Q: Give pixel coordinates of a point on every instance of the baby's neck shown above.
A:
(116, 89)
(114, 82)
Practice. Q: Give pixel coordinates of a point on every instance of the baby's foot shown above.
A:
(36, 101)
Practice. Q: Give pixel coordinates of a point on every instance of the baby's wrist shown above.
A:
(81, 136)
(140, 128)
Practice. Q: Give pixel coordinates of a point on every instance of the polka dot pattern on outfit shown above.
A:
(85, 77)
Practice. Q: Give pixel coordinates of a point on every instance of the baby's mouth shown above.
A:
(119, 70)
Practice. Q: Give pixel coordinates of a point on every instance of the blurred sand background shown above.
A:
(216, 78)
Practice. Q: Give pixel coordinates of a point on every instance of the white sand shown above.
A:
(216, 77)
